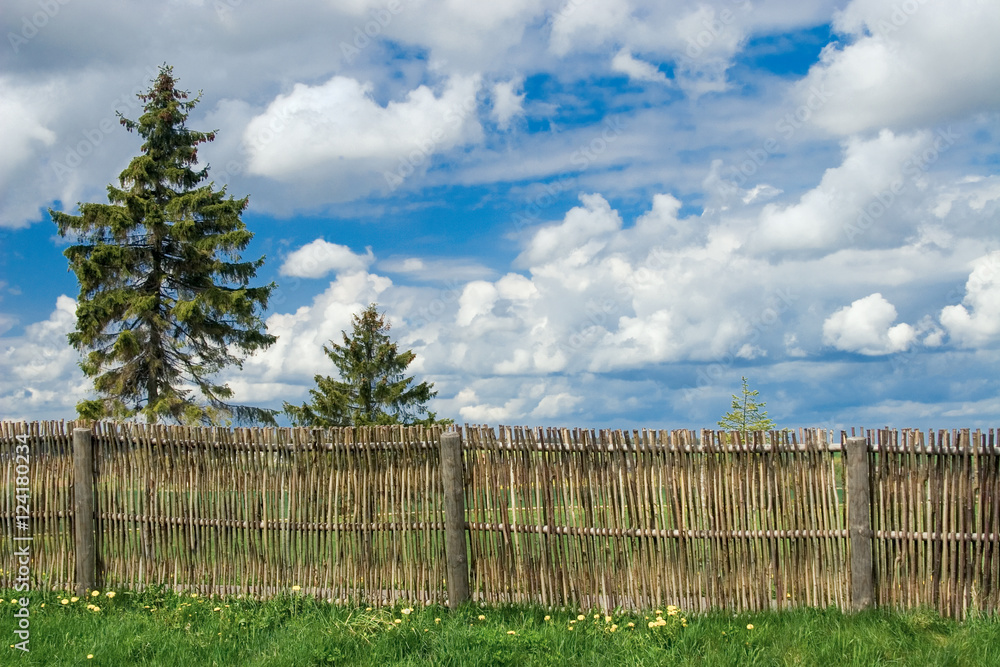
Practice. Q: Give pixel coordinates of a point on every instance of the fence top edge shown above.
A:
(483, 437)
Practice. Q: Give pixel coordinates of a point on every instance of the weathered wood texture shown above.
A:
(456, 544)
(83, 511)
(555, 516)
(859, 511)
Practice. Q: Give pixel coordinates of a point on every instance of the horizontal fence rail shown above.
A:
(559, 517)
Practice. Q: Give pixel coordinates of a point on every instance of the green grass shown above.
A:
(162, 628)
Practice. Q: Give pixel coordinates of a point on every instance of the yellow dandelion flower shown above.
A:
(90, 656)
(96, 608)
(42, 605)
(547, 618)
(73, 599)
(217, 609)
(607, 619)
(482, 618)
(580, 617)
(651, 624)
(749, 626)
(64, 601)
(296, 588)
(660, 613)
(368, 608)
(596, 616)
(631, 625)
(110, 594)
(437, 620)
(94, 593)
(571, 628)
(511, 632)
(194, 595)
(397, 620)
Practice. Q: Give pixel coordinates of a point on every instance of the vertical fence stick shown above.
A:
(83, 510)
(859, 511)
(453, 477)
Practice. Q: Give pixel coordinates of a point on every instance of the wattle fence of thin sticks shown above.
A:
(936, 519)
(342, 514)
(559, 517)
(653, 518)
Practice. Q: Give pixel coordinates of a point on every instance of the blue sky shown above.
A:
(576, 212)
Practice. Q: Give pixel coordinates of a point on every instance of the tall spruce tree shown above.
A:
(165, 300)
(747, 413)
(372, 388)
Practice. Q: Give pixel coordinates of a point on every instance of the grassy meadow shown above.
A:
(159, 627)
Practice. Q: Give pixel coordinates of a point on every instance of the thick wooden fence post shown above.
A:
(453, 477)
(83, 510)
(859, 510)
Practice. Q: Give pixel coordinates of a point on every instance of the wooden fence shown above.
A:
(559, 517)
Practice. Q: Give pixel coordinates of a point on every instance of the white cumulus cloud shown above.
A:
(871, 176)
(865, 327)
(317, 259)
(976, 321)
(339, 128)
(582, 234)
(907, 64)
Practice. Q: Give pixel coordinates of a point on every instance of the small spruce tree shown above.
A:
(165, 302)
(747, 413)
(372, 388)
